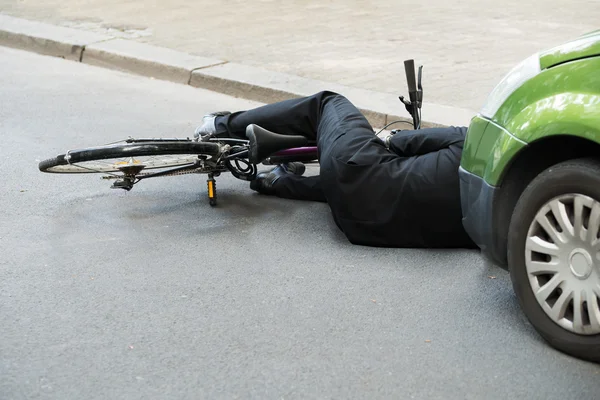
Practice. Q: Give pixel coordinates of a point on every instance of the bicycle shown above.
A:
(132, 160)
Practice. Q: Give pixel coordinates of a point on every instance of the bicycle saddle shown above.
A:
(263, 143)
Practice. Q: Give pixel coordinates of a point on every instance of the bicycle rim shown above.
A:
(112, 158)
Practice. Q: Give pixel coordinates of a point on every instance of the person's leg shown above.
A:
(290, 117)
(345, 134)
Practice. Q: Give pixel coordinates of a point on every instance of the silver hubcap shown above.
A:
(562, 257)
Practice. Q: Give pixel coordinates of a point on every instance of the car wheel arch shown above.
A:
(528, 163)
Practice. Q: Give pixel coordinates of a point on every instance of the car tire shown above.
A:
(554, 270)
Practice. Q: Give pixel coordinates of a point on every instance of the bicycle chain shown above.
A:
(194, 171)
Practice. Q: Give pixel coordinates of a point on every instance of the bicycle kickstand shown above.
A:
(212, 190)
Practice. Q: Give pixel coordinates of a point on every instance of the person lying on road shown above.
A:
(402, 192)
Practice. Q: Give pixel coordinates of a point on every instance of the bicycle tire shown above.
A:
(72, 161)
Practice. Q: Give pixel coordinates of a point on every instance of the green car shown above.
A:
(530, 190)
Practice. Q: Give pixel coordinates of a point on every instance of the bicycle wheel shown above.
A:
(111, 158)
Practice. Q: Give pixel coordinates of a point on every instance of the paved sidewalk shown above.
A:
(466, 45)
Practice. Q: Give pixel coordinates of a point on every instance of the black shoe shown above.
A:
(264, 181)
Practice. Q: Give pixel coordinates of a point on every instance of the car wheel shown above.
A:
(554, 256)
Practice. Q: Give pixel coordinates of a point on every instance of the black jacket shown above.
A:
(407, 198)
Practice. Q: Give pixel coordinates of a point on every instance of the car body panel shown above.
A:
(585, 46)
(475, 133)
(496, 147)
(505, 148)
(561, 100)
(477, 200)
(480, 173)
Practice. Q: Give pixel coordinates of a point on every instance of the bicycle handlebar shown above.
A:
(409, 67)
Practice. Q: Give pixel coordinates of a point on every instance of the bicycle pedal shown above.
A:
(212, 190)
(122, 184)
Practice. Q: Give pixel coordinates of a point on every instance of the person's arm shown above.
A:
(423, 141)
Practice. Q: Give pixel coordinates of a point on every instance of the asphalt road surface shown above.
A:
(152, 293)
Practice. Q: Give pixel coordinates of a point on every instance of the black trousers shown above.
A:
(378, 197)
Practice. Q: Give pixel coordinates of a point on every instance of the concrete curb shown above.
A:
(217, 75)
(46, 39)
(147, 60)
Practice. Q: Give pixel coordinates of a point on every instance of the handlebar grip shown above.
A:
(409, 67)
